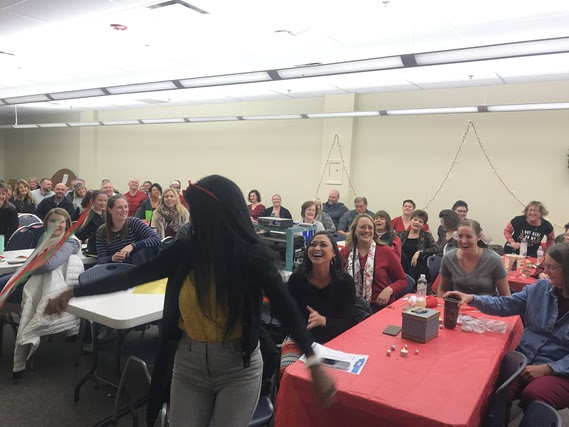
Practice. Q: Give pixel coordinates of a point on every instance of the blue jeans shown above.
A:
(209, 380)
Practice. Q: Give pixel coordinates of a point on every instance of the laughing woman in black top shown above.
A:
(212, 308)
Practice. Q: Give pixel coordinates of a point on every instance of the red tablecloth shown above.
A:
(520, 278)
(447, 384)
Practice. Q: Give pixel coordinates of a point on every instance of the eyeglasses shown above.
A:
(551, 267)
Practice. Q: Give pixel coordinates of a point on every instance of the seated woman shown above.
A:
(79, 191)
(308, 215)
(170, 215)
(323, 217)
(124, 239)
(33, 181)
(88, 232)
(530, 225)
(8, 215)
(376, 270)
(544, 342)
(256, 208)
(449, 223)
(59, 273)
(417, 245)
(472, 268)
(403, 222)
(385, 232)
(323, 292)
(22, 198)
(277, 210)
(147, 207)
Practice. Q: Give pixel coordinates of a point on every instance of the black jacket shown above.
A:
(49, 203)
(175, 262)
(23, 206)
(284, 213)
(8, 221)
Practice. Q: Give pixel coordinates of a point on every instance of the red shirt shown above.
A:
(135, 201)
(387, 266)
(398, 226)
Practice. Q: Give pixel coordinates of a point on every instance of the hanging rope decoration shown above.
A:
(468, 128)
(335, 141)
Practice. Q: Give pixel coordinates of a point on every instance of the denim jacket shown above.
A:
(545, 339)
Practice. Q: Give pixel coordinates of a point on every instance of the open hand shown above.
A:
(314, 318)
(59, 303)
(464, 298)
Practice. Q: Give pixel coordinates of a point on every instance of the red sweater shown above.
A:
(135, 201)
(387, 266)
(398, 226)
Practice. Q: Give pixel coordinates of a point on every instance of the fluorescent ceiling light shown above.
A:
(510, 50)
(159, 121)
(342, 67)
(52, 125)
(274, 117)
(26, 99)
(339, 115)
(529, 107)
(120, 122)
(226, 79)
(213, 119)
(439, 110)
(79, 124)
(141, 87)
(24, 126)
(86, 93)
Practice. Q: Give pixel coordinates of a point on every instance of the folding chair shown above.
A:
(37, 230)
(434, 266)
(541, 414)
(498, 412)
(409, 289)
(27, 219)
(21, 239)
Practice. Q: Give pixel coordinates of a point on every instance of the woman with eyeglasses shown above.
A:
(375, 267)
(532, 226)
(545, 343)
(210, 328)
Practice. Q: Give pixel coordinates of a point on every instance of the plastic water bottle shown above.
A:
(539, 255)
(422, 291)
(524, 247)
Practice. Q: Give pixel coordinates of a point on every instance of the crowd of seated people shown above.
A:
(372, 265)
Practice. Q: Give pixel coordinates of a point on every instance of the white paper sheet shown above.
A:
(347, 362)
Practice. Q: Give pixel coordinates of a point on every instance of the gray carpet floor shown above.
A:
(44, 396)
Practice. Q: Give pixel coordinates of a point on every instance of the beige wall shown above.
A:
(390, 158)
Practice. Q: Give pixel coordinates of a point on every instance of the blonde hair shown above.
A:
(352, 240)
(28, 197)
(182, 211)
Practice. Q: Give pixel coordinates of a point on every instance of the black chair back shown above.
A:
(497, 414)
(37, 230)
(27, 219)
(102, 271)
(541, 414)
(21, 239)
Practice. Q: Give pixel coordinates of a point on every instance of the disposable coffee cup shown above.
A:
(451, 312)
(148, 215)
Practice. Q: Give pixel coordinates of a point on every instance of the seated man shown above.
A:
(43, 192)
(134, 196)
(334, 208)
(360, 204)
(58, 200)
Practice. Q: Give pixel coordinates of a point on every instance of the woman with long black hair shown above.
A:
(212, 309)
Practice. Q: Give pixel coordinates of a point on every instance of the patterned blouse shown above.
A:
(256, 212)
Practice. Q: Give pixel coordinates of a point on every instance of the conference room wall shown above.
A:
(391, 157)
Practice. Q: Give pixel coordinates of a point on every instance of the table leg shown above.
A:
(93, 368)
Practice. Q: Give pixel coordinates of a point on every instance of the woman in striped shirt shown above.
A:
(123, 238)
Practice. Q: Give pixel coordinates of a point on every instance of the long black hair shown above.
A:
(221, 239)
(335, 266)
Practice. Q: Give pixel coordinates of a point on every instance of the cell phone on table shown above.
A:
(336, 364)
(392, 330)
